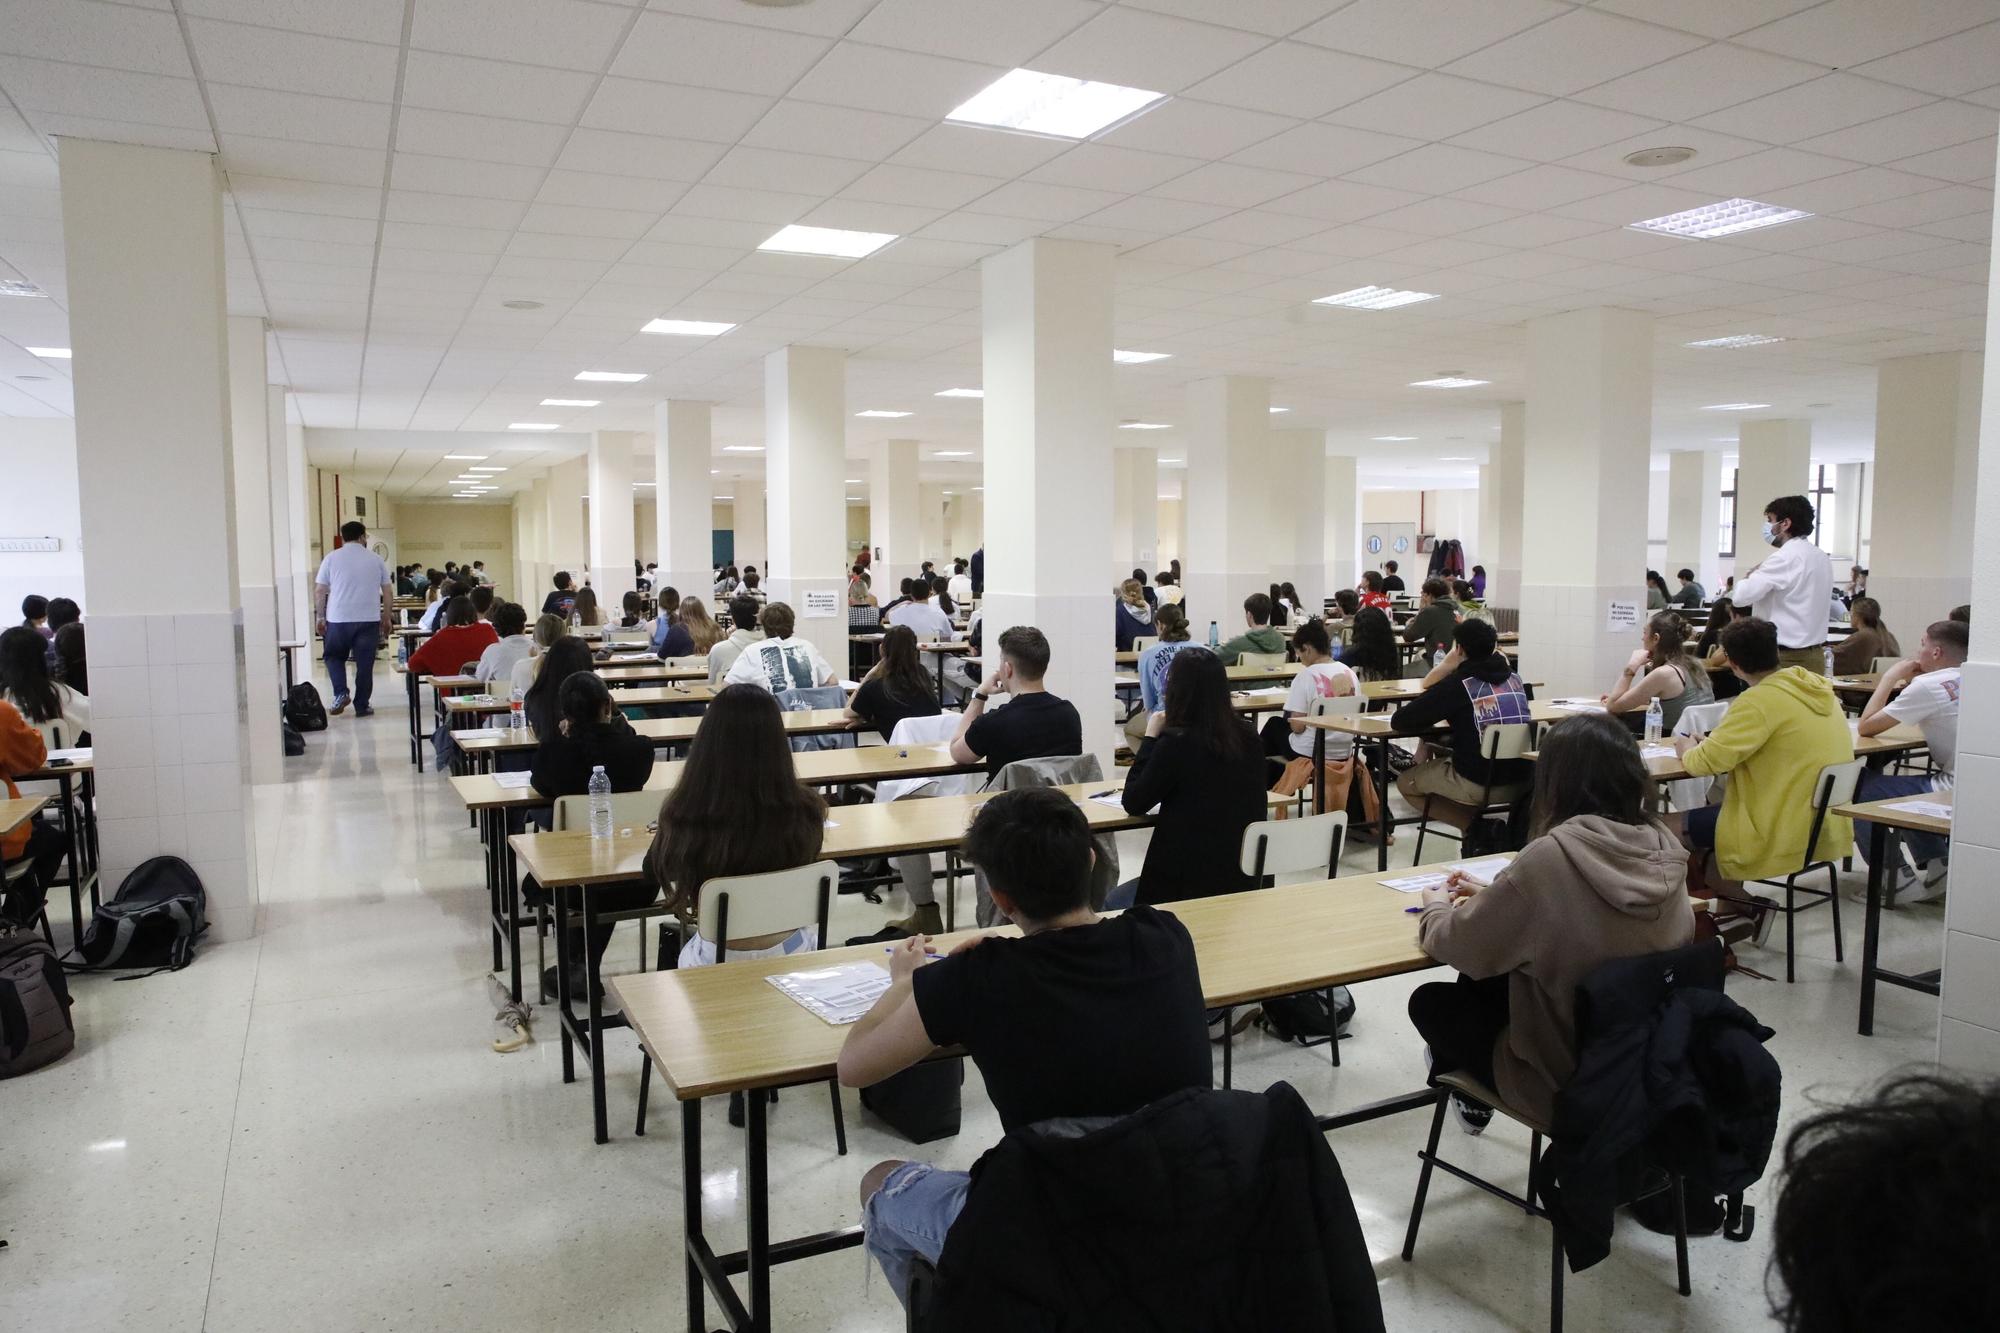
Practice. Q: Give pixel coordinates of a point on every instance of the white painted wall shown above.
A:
(1657, 490)
(38, 458)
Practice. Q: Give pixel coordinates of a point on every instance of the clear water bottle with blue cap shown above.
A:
(1214, 639)
(600, 803)
(1656, 720)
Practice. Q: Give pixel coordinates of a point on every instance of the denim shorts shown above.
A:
(908, 1217)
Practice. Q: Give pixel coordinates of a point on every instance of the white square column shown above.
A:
(1694, 517)
(805, 457)
(563, 521)
(1773, 459)
(893, 525)
(1227, 499)
(142, 234)
(1588, 453)
(964, 525)
(1852, 502)
(1046, 309)
(611, 516)
(1503, 541)
(1343, 523)
(298, 506)
(1298, 512)
(1927, 445)
(682, 516)
(752, 544)
(930, 523)
(284, 520)
(1135, 534)
(250, 466)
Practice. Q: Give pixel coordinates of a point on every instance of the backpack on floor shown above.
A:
(925, 1101)
(35, 1026)
(152, 921)
(295, 744)
(1308, 1017)
(303, 708)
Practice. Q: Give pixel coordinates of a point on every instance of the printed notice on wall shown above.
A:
(823, 603)
(1620, 616)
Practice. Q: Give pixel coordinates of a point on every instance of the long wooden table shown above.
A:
(1881, 816)
(717, 1030)
(481, 746)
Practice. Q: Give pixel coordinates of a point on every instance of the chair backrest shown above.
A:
(469, 668)
(807, 700)
(1339, 705)
(626, 636)
(697, 661)
(1883, 664)
(1698, 720)
(1835, 784)
(1301, 849)
(1142, 642)
(741, 907)
(1262, 661)
(1506, 740)
(629, 809)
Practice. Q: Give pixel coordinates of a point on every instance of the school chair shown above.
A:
(1884, 663)
(629, 809)
(740, 907)
(1141, 642)
(1503, 740)
(1289, 851)
(1261, 661)
(1834, 786)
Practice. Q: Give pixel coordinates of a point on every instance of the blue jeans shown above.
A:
(361, 638)
(1877, 786)
(1122, 897)
(908, 1217)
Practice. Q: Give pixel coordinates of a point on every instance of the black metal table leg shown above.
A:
(1871, 929)
(1319, 770)
(510, 884)
(67, 783)
(563, 1018)
(759, 1207)
(594, 988)
(493, 833)
(691, 1210)
(1383, 823)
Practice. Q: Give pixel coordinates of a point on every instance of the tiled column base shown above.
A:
(1564, 643)
(262, 681)
(1081, 638)
(1969, 1030)
(167, 718)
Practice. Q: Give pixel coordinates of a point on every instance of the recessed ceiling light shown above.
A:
(1137, 358)
(952, 453)
(1144, 425)
(687, 328)
(20, 287)
(1052, 104)
(1658, 157)
(1454, 459)
(1170, 462)
(1724, 219)
(645, 483)
(950, 492)
(571, 402)
(1276, 410)
(467, 458)
(1447, 382)
(50, 353)
(533, 425)
(879, 412)
(960, 393)
(715, 472)
(1732, 407)
(722, 497)
(978, 488)
(1736, 340)
(832, 242)
(1374, 298)
(1394, 439)
(609, 376)
(742, 448)
(486, 469)
(522, 305)
(851, 481)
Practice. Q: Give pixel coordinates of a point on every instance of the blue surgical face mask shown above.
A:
(1771, 533)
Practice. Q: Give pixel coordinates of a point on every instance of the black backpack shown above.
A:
(923, 1102)
(295, 744)
(303, 709)
(35, 1026)
(1307, 1018)
(152, 922)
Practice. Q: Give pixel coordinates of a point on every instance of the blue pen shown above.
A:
(1412, 911)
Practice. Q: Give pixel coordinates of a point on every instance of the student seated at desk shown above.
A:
(896, 687)
(752, 586)
(1929, 699)
(1166, 589)
(1722, 682)
(1203, 768)
(40, 839)
(1172, 626)
(670, 637)
(1391, 580)
(959, 585)
(35, 615)
(1370, 650)
(1437, 616)
(1287, 738)
(464, 638)
(1478, 581)
(922, 616)
(548, 629)
(1777, 735)
(484, 599)
(1657, 597)
(59, 713)
(541, 705)
(778, 662)
(631, 617)
(905, 590)
(743, 619)
(560, 601)
(1132, 618)
(1034, 724)
(1472, 689)
(1871, 639)
(1600, 879)
(584, 607)
(1690, 595)
(1373, 593)
(1662, 670)
(1258, 637)
(71, 666)
(1081, 1016)
(590, 734)
(1345, 603)
(497, 662)
(703, 632)
(62, 612)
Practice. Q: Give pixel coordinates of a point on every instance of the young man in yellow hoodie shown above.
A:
(1774, 740)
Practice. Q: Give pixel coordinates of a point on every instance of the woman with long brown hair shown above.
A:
(1661, 669)
(703, 632)
(587, 612)
(1871, 639)
(899, 685)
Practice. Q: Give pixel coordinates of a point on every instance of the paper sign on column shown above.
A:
(1620, 616)
(822, 603)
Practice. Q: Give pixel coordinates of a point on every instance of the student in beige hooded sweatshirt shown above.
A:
(1600, 880)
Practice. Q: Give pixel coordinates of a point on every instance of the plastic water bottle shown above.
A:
(1655, 721)
(600, 803)
(1214, 639)
(1437, 656)
(1829, 659)
(517, 719)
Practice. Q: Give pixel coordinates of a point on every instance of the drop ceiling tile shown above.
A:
(832, 131)
(307, 197)
(1442, 216)
(1975, 227)
(1435, 106)
(478, 138)
(1965, 163)
(1554, 131)
(1142, 50)
(277, 115)
(258, 57)
(454, 175)
(1703, 80)
(1572, 52)
(1342, 201)
(1709, 147)
(454, 210)
(611, 152)
(564, 34)
(769, 169)
(1048, 203)
(1156, 216)
(1427, 33)
(640, 107)
(1274, 18)
(871, 78)
(1830, 102)
(1437, 168)
(1542, 186)
(1320, 149)
(1911, 210)
(591, 189)
(109, 95)
(302, 161)
(1233, 185)
(973, 29)
(266, 222)
(1837, 194)
(1920, 130)
(1189, 250)
(544, 245)
(894, 184)
(423, 236)
(1108, 167)
(1293, 79)
(734, 204)
(729, 56)
(870, 215)
(1752, 176)
(1950, 67)
(1843, 33)
(105, 36)
(1255, 227)
(1529, 231)
(1357, 241)
(494, 88)
(1198, 129)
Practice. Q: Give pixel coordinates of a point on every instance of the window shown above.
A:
(1726, 536)
(1824, 504)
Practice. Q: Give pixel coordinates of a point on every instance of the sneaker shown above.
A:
(339, 705)
(1218, 1029)
(1472, 1118)
(1927, 886)
(511, 1029)
(925, 919)
(363, 710)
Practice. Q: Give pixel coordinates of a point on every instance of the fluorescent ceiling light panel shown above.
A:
(722, 497)
(1447, 382)
(645, 483)
(486, 469)
(20, 287)
(609, 376)
(879, 412)
(960, 393)
(952, 453)
(1374, 298)
(686, 328)
(1733, 407)
(851, 481)
(1393, 439)
(1137, 358)
(832, 242)
(50, 353)
(1053, 104)
(742, 448)
(1724, 219)
(533, 425)
(571, 402)
(1276, 410)
(1736, 340)
(1144, 425)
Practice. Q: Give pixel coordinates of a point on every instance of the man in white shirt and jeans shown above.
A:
(1929, 682)
(352, 599)
(1793, 587)
(779, 662)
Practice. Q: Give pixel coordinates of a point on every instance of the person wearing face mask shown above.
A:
(1793, 587)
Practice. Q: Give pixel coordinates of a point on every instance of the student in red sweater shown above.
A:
(23, 751)
(464, 637)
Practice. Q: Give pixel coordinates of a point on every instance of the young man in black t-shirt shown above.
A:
(1034, 725)
(1082, 1016)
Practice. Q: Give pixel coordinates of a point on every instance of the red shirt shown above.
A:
(1378, 600)
(451, 648)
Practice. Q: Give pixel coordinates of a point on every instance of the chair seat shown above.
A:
(1466, 1085)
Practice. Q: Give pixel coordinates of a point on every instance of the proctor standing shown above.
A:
(351, 595)
(1793, 587)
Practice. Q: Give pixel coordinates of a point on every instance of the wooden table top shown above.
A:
(1878, 812)
(1896, 740)
(636, 695)
(925, 646)
(18, 810)
(82, 760)
(1375, 726)
(621, 673)
(808, 722)
(867, 763)
(724, 1028)
(1861, 682)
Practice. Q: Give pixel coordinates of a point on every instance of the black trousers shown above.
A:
(47, 848)
(1460, 1020)
(1276, 738)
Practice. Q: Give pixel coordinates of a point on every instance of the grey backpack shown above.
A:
(35, 1027)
